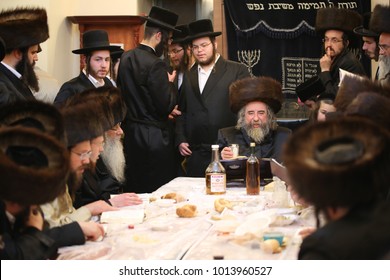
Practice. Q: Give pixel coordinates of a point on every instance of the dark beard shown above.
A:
(28, 74)
(74, 183)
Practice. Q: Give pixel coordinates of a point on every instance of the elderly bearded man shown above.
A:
(256, 100)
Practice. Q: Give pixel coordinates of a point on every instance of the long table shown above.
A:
(164, 236)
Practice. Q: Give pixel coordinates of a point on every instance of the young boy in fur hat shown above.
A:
(341, 167)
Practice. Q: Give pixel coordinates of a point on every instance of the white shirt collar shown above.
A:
(95, 82)
(16, 73)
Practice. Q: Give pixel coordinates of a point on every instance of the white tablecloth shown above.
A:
(163, 235)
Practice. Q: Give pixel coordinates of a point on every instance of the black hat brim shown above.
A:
(203, 34)
(361, 31)
(88, 50)
(160, 23)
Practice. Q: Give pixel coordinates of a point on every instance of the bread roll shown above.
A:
(175, 196)
(186, 211)
(221, 203)
(271, 246)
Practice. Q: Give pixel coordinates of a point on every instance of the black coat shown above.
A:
(204, 114)
(27, 244)
(364, 234)
(149, 136)
(346, 61)
(76, 85)
(12, 88)
(107, 182)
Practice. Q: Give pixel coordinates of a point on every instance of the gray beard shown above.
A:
(114, 158)
(257, 134)
(384, 67)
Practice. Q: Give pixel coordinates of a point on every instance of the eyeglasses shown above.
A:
(384, 47)
(83, 156)
(195, 48)
(172, 52)
(331, 40)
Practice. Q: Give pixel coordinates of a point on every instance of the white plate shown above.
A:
(255, 225)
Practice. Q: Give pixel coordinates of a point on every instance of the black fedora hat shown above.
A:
(201, 28)
(364, 29)
(180, 37)
(2, 49)
(94, 40)
(159, 17)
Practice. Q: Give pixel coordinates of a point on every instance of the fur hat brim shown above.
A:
(264, 89)
(33, 183)
(340, 162)
(23, 27)
(35, 114)
(380, 19)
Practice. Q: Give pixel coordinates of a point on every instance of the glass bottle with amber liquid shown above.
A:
(252, 173)
(215, 174)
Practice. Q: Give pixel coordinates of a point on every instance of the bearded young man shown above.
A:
(96, 50)
(22, 30)
(256, 100)
(205, 101)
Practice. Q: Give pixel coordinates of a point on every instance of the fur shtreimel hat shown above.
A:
(373, 106)
(345, 162)
(23, 27)
(163, 18)
(2, 49)
(82, 121)
(37, 114)
(110, 101)
(339, 19)
(33, 166)
(201, 28)
(380, 19)
(264, 89)
(94, 40)
(351, 86)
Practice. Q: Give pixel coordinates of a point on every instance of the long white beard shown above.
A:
(384, 66)
(114, 158)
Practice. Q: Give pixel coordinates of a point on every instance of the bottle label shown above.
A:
(218, 182)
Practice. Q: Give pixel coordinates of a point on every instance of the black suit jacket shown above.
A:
(12, 88)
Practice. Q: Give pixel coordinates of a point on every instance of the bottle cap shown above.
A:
(214, 146)
(252, 144)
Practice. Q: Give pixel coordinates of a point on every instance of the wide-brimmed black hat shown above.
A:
(94, 40)
(340, 162)
(364, 30)
(180, 37)
(36, 114)
(310, 88)
(163, 18)
(264, 89)
(23, 27)
(201, 28)
(380, 19)
(2, 49)
(33, 166)
(117, 54)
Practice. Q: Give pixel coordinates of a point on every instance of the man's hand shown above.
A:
(175, 113)
(125, 199)
(184, 149)
(171, 77)
(226, 153)
(98, 207)
(92, 231)
(35, 218)
(326, 61)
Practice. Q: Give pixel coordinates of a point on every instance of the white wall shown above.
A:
(56, 57)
